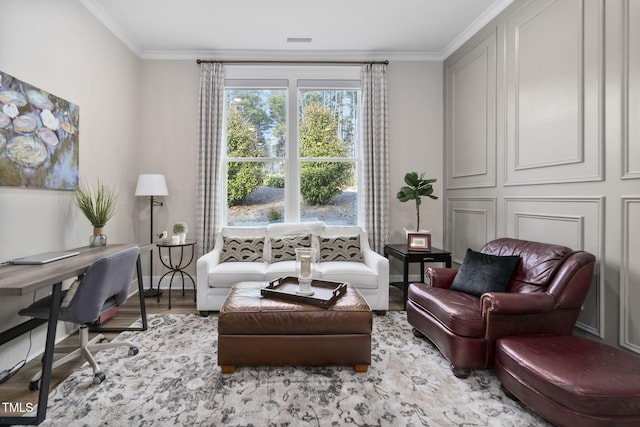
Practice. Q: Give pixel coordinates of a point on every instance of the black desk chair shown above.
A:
(105, 285)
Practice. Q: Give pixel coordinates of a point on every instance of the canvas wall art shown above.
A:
(38, 137)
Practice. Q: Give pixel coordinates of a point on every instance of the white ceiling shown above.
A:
(258, 29)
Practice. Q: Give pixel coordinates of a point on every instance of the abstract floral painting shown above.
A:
(38, 137)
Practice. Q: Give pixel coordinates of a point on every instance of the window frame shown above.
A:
(291, 78)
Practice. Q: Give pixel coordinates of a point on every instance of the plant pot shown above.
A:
(97, 238)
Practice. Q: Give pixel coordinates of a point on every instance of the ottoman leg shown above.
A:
(361, 368)
(228, 369)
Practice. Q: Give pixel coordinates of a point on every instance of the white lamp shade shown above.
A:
(151, 184)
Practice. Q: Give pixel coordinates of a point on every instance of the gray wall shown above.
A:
(539, 144)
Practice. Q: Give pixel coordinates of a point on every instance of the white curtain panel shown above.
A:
(375, 140)
(210, 145)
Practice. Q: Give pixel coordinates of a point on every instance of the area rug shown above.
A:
(175, 380)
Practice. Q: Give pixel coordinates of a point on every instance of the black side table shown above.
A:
(177, 265)
(402, 252)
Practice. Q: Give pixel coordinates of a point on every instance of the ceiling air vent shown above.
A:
(299, 39)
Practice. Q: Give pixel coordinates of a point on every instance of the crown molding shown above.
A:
(98, 11)
(289, 55)
(477, 24)
(299, 55)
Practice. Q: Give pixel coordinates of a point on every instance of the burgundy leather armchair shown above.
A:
(544, 295)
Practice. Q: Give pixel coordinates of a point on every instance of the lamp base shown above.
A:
(152, 293)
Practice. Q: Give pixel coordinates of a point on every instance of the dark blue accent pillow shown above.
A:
(481, 273)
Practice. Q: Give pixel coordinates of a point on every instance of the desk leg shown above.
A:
(143, 307)
(45, 381)
(47, 362)
(448, 262)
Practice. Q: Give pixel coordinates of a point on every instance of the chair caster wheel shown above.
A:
(34, 385)
(133, 351)
(99, 377)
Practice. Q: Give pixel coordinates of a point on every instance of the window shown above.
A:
(292, 149)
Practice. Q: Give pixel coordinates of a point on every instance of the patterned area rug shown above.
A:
(175, 380)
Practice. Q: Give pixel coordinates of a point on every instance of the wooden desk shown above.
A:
(16, 280)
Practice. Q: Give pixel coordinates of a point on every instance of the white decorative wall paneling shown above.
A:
(472, 222)
(576, 222)
(470, 127)
(554, 92)
(631, 90)
(630, 274)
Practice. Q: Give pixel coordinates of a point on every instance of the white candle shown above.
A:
(305, 266)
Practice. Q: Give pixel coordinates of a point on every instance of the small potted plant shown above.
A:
(181, 229)
(99, 206)
(416, 188)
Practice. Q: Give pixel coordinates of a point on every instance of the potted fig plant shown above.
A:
(417, 186)
(99, 206)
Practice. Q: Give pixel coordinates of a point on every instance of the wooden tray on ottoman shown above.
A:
(325, 292)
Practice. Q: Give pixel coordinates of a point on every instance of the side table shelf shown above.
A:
(178, 262)
(407, 256)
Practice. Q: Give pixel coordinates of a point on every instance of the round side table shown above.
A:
(178, 262)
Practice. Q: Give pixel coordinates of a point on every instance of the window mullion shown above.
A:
(292, 168)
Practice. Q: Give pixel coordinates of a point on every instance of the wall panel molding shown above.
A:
(630, 274)
(470, 115)
(630, 89)
(471, 222)
(576, 222)
(554, 92)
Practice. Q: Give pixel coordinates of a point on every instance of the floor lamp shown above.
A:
(151, 185)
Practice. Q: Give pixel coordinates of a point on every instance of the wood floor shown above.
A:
(16, 390)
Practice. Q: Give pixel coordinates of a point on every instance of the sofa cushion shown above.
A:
(481, 273)
(356, 273)
(226, 274)
(340, 248)
(457, 311)
(242, 249)
(280, 269)
(284, 248)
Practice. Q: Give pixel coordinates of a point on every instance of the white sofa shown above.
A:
(214, 278)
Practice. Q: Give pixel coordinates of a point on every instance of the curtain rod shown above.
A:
(201, 61)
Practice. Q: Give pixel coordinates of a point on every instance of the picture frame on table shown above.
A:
(419, 241)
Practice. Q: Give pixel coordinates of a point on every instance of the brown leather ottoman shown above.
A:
(258, 331)
(571, 380)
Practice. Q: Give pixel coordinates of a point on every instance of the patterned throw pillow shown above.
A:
(284, 248)
(340, 248)
(242, 249)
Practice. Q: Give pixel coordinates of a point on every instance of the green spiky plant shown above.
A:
(416, 188)
(97, 204)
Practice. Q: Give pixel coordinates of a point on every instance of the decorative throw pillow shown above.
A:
(481, 273)
(340, 248)
(284, 248)
(242, 249)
